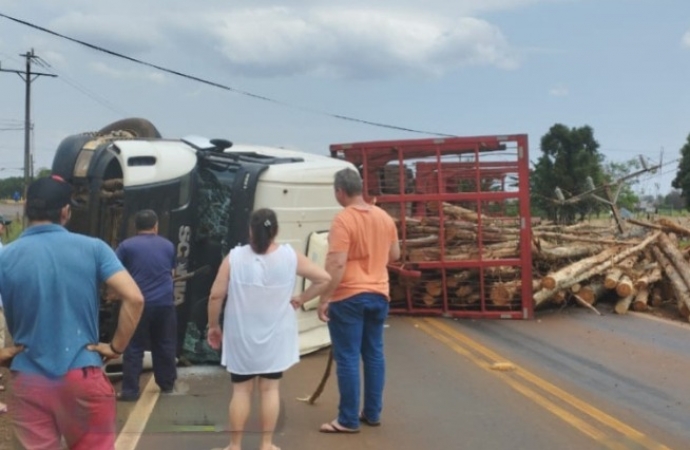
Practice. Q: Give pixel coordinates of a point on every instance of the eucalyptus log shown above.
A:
(581, 302)
(552, 280)
(464, 291)
(590, 239)
(421, 242)
(430, 300)
(545, 294)
(501, 294)
(623, 304)
(625, 287)
(650, 277)
(434, 288)
(592, 292)
(612, 277)
(673, 226)
(680, 288)
(571, 251)
(641, 299)
(559, 297)
(675, 257)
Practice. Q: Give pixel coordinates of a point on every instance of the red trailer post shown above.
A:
(462, 209)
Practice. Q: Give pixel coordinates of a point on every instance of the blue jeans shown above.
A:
(356, 327)
(157, 327)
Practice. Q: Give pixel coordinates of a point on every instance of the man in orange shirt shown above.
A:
(362, 241)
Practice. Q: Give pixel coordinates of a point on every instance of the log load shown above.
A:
(544, 294)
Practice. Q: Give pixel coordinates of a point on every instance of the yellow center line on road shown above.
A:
(456, 337)
(526, 391)
(131, 432)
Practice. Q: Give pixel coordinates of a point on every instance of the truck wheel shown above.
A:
(136, 126)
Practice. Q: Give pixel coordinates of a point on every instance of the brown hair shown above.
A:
(264, 226)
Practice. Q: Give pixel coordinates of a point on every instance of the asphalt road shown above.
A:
(571, 380)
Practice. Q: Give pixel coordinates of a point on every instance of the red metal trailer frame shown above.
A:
(439, 180)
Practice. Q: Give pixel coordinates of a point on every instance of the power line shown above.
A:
(76, 85)
(219, 85)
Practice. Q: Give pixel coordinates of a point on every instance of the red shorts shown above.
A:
(79, 407)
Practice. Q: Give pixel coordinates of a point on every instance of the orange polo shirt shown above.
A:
(366, 235)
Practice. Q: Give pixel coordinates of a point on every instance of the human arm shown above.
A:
(335, 267)
(127, 291)
(318, 277)
(8, 353)
(219, 291)
(394, 250)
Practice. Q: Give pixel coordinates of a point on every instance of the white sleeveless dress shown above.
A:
(260, 326)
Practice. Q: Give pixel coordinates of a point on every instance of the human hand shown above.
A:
(8, 353)
(296, 302)
(323, 311)
(214, 337)
(105, 350)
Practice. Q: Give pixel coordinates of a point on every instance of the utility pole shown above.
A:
(28, 76)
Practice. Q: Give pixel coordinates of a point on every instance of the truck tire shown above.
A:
(136, 126)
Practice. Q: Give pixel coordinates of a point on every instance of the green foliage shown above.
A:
(682, 179)
(674, 199)
(614, 171)
(8, 186)
(569, 156)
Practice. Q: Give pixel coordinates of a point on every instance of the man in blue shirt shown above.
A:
(150, 259)
(50, 281)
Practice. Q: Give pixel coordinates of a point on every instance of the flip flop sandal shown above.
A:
(335, 428)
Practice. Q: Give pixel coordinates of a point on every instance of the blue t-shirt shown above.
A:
(49, 281)
(150, 259)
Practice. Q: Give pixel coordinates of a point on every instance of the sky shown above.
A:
(460, 67)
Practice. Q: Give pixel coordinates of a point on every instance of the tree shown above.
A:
(614, 171)
(569, 156)
(682, 180)
(674, 199)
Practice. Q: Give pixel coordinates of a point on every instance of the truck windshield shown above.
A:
(215, 198)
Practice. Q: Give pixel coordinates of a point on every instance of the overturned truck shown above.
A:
(203, 191)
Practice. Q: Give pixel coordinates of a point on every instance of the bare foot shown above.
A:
(3, 408)
(271, 447)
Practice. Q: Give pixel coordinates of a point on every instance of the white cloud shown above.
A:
(559, 91)
(686, 39)
(104, 69)
(363, 43)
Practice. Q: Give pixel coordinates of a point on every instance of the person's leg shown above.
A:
(238, 410)
(375, 313)
(132, 359)
(31, 400)
(345, 326)
(163, 346)
(270, 407)
(87, 416)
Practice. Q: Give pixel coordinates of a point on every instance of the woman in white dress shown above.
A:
(259, 339)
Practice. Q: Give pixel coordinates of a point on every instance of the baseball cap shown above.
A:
(47, 193)
(3, 221)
